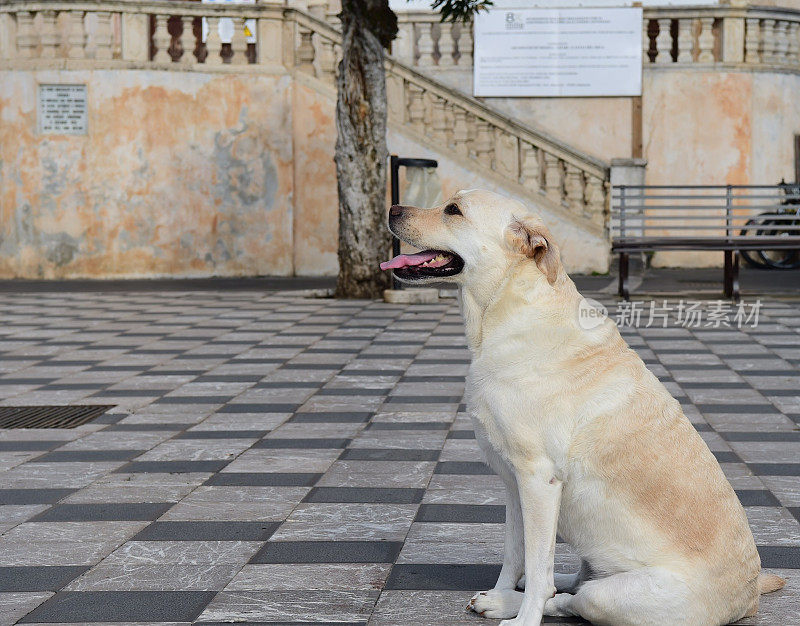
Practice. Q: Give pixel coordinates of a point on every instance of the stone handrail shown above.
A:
(759, 38)
(168, 36)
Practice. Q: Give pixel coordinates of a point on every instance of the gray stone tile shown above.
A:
(311, 461)
(377, 474)
(451, 532)
(30, 579)
(61, 553)
(127, 606)
(15, 605)
(773, 526)
(127, 576)
(451, 552)
(113, 532)
(317, 576)
(293, 606)
(328, 552)
(342, 522)
(183, 553)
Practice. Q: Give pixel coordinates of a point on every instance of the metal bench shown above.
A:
(728, 218)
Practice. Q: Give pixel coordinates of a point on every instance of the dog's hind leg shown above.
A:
(648, 596)
(567, 583)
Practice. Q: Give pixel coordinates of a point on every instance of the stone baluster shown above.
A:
(395, 98)
(553, 185)
(327, 60)
(705, 40)
(238, 43)
(269, 48)
(484, 144)
(531, 174)
(664, 41)
(27, 40)
(416, 108)
(506, 155)
(685, 40)
(403, 45)
(103, 36)
(781, 41)
(187, 40)
(116, 35)
(305, 51)
(793, 50)
(425, 44)
(767, 47)
(213, 43)
(446, 45)
(573, 186)
(752, 40)
(595, 201)
(646, 41)
(49, 37)
(460, 132)
(162, 39)
(732, 34)
(465, 45)
(439, 126)
(76, 36)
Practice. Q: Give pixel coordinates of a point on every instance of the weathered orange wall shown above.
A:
(316, 216)
(179, 175)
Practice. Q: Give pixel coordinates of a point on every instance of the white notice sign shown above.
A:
(559, 52)
(62, 109)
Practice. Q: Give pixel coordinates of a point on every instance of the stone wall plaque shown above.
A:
(62, 109)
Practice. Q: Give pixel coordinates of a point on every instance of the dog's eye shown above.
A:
(452, 209)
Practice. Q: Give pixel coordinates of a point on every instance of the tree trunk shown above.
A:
(361, 153)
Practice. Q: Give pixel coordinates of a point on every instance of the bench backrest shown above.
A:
(705, 211)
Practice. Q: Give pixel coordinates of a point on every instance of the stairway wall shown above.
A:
(192, 174)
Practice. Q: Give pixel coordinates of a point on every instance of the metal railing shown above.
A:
(702, 211)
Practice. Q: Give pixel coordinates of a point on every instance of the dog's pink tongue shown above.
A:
(406, 260)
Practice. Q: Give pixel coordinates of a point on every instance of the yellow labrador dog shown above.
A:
(588, 442)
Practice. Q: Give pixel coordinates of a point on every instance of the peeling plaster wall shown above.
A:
(316, 218)
(179, 175)
(192, 174)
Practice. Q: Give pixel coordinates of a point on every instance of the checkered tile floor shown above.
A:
(279, 459)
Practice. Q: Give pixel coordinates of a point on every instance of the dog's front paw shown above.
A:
(496, 603)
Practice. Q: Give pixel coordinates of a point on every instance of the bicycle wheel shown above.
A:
(752, 257)
(779, 259)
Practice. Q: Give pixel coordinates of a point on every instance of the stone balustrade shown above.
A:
(423, 40)
(759, 38)
(170, 36)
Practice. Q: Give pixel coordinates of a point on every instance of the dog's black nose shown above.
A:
(395, 210)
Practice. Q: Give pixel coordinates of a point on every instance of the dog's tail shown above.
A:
(767, 583)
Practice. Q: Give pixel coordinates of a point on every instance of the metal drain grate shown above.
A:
(50, 416)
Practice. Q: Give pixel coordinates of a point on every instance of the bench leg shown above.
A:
(731, 280)
(622, 291)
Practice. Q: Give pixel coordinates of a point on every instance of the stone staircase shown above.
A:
(521, 159)
(485, 147)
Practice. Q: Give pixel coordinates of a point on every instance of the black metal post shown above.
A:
(395, 162)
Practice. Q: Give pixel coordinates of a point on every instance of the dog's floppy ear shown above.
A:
(536, 243)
